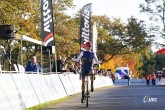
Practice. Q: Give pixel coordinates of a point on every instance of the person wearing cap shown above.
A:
(87, 58)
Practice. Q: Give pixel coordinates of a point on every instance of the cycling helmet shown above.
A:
(88, 44)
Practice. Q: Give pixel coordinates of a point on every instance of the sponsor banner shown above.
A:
(85, 25)
(47, 25)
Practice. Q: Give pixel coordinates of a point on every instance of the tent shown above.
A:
(160, 51)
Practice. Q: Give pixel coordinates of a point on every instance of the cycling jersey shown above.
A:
(87, 58)
(87, 61)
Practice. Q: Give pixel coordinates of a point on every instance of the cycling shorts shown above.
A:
(86, 70)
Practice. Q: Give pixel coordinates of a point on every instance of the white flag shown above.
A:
(94, 37)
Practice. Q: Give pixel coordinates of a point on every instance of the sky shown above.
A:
(122, 9)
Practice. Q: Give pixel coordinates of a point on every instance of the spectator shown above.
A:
(103, 72)
(59, 65)
(72, 68)
(78, 69)
(64, 65)
(147, 77)
(33, 66)
(153, 77)
(112, 75)
(159, 75)
(95, 70)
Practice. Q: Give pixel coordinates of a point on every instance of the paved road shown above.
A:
(118, 98)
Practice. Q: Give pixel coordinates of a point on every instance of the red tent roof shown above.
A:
(160, 51)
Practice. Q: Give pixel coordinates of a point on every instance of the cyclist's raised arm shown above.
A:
(96, 59)
(79, 57)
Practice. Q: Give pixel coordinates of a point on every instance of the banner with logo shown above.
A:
(47, 25)
(85, 25)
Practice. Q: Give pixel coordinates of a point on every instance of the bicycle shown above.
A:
(87, 92)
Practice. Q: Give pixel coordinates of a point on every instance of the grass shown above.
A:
(47, 104)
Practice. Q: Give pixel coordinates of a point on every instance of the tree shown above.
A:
(117, 38)
(155, 9)
(160, 61)
(136, 36)
(67, 38)
(149, 63)
(25, 16)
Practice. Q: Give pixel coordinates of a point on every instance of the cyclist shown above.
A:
(87, 57)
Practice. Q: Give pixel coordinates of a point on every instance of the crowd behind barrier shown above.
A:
(20, 91)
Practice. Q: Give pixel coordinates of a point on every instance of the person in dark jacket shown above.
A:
(59, 65)
(153, 77)
(33, 66)
(147, 77)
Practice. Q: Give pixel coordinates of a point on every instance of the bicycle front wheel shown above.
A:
(87, 94)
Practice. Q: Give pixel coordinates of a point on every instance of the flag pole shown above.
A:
(47, 26)
(41, 61)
